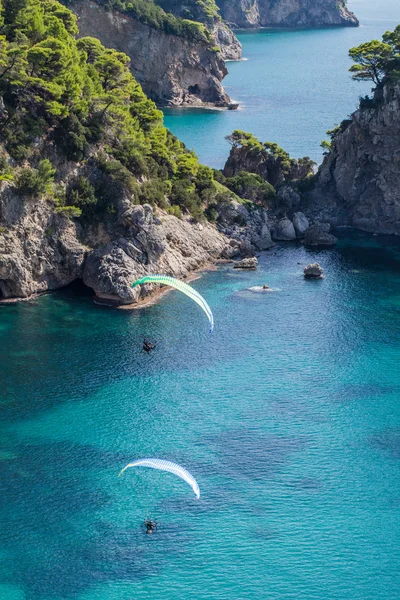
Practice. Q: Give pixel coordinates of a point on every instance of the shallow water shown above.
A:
(293, 87)
(288, 416)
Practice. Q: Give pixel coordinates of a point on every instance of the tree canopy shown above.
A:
(78, 100)
(377, 60)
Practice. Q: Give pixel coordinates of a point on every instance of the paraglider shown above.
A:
(166, 465)
(182, 287)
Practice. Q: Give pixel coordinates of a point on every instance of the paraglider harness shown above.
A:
(150, 525)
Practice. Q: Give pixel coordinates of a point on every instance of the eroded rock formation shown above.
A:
(359, 181)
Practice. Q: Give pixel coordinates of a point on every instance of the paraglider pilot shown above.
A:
(150, 525)
(148, 346)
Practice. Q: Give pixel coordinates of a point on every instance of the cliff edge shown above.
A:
(358, 183)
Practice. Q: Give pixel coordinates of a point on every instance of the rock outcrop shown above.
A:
(226, 40)
(284, 231)
(286, 13)
(313, 271)
(267, 160)
(246, 263)
(300, 224)
(41, 250)
(248, 230)
(172, 70)
(358, 183)
(318, 235)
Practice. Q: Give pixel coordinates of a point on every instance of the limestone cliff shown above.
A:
(286, 13)
(41, 250)
(172, 70)
(359, 181)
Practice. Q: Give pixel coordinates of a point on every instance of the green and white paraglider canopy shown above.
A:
(182, 287)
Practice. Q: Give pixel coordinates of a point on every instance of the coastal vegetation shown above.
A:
(377, 61)
(68, 99)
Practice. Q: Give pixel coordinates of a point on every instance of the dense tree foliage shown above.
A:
(72, 99)
(375, 60)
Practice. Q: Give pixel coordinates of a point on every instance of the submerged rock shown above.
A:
(318, 235)
(246, 263)
(313, 271)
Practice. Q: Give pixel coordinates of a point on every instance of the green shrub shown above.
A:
(71, 212)
(175, 211)
(35, 182)
(81, 194)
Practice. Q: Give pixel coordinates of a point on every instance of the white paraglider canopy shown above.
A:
(166, 465)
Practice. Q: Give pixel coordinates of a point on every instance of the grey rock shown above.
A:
(288, 198)
(318, 235)
(263, 241)
(39, 250)
(313, 271)
(300, 224)
(284, 231)
(246, 263)
(359, 181)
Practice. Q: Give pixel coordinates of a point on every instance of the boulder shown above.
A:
(284, 231)
(313, 271)
(300, 224)
(263, 241)
(318, 235)
(246, 263)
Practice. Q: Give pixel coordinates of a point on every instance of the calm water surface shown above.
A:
(294, 86)
(288, 416)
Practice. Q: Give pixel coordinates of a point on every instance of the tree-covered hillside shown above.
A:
(71, 99)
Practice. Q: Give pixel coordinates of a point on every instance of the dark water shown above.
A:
(294, 86)
(288, 416)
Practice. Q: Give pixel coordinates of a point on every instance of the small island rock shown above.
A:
(246, 263)
(313, 271)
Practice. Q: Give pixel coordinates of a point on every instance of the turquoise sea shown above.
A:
(293, 87)
(288, 415)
